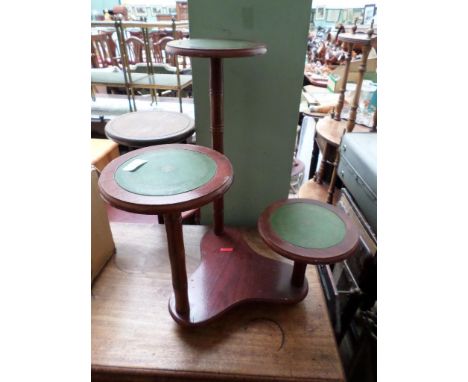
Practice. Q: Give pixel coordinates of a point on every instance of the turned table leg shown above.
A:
(331, 188)
(321, 172)
(217, 126)
(298, 274)
(175, 242)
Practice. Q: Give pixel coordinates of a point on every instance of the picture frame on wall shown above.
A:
(357, 14)
(369, 12)
(333, 15)
(140, 10)
(344, 16)
(320, 13)
(154, 11)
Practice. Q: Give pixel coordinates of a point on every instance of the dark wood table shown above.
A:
(134, 339)
(174, 178)
(148, 128)
(308, 232)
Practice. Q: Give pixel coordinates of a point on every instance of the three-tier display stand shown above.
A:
(230, 272)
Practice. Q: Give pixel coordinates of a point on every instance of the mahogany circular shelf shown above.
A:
(168, 179)
(215, 48)
(148, 128)
(176, 177)
(308, 231)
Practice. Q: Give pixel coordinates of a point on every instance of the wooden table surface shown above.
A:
(135, 339)
(147, 128)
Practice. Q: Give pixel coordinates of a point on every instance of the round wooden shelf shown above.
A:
(148, 128)
(215, 48)
(308, 231)
(169, 181)
(332, 130)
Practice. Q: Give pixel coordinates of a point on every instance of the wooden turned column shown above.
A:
(339, 106)
(357, 95)
(331, 188)
(298, 274)
(321, 172)
(175, 243)
(217, 127)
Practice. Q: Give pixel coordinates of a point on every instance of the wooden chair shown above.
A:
(103, 52)
(135, 50)
(330, 130)
(160, 53)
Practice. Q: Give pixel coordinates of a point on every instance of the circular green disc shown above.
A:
(166, 172)
(307, 225)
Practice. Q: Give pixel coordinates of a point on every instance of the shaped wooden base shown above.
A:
(226, 278)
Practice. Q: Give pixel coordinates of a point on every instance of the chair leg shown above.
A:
(321, 172)
(331, 188)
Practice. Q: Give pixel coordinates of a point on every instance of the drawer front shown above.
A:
(365, 198)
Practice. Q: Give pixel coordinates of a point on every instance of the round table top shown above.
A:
(308, 231)
(165, 178)
(148, 128)
(332, 130)
(217, 48)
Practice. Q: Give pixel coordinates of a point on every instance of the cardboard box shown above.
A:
(335, 78)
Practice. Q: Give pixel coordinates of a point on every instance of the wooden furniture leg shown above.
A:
(331, 188)
(298, 274)
(217, 126)
(314, 159)
(175, 243)
(321, 172)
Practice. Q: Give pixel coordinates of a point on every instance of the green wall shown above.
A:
(261, 97)
(100, 5)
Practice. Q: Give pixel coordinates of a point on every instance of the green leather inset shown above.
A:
(307, 225)
(167, 172)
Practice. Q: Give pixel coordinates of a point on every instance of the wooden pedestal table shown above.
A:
(308, 232)
(173, 178)
(148, 128)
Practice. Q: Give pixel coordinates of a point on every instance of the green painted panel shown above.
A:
(261, 97)
(166, 172)
(308, 226)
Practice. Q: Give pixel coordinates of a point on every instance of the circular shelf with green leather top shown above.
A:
(215, 48)
(165, 178)
(148, 128)
(308, 231)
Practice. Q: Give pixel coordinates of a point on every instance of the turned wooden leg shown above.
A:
(331, 188)
(217, 126)
(175, 243)
(298, 274)
(314, 161)
(218, 205)
(321, 172)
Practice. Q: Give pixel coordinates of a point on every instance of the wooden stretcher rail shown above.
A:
(142, 24)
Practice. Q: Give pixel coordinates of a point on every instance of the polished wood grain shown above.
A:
(332, 254)
(147, 128)
(135, 339)
(231, 274)
(154, 205)
(312, 190)
(216, 48)
(217, 129)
